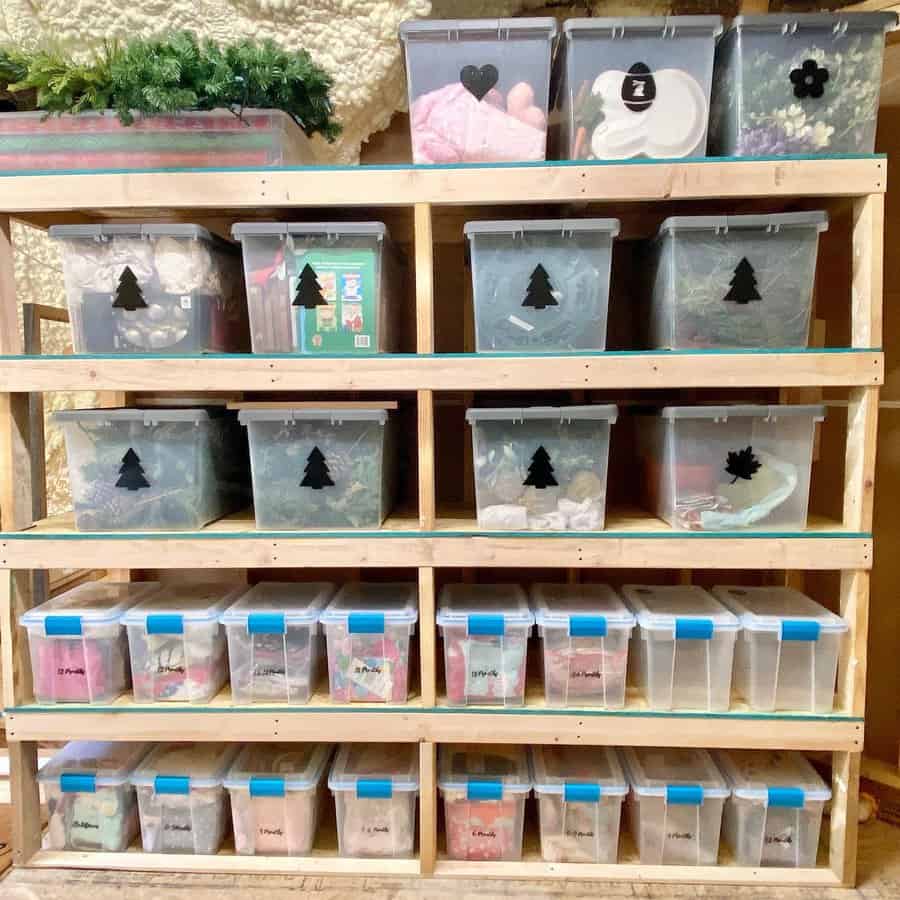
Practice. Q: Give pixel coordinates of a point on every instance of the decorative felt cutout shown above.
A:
(743, 285)
(309, 291)
(128, 292)
(478, 81)
(540, 472)
(131, 474)
(316, 472)
(742, 464)
(809, 80)
(540, 293)
(638, 88)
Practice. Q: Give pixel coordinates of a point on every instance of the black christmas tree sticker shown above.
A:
(743, 285)
(540, 293)
(131, 474)
(540, 472)
(309, 291)
(316, 472)
(742, 464)
(128, 292)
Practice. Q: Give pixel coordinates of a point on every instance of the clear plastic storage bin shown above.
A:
(675, 805)
(320, 287)
(683, 651)
(636, 86)
(786, 657)
(153, 469)
(733, 281)
(579, 792)
(484, 787)
(368, 628)
(478, 88)
(485, 628)
(320, 467)
(274, 641)
(178, 648)
(91, 804)
(585, 630)
(727, 468)
(181, 797)
(541, 285)
(798, 84)
(774, 813)
(79, 649)
(166, 289)
(541, 468)
(98, 140)
(375, 789)
(275, 797)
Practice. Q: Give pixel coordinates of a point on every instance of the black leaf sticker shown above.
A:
(742, 464)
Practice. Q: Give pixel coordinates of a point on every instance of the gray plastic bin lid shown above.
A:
(788, 23)
(478, 29)
(240, 230)
(288, 414)
(643, 26)
(517, 227)
(742, 411)
(817, 219)
(99, 232)
(608, 413)
(147, 416)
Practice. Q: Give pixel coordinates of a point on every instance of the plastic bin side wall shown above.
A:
(579, 832)
(105, 820)
(672, 834)
(375, 827)
(772, 836)
(483, 829)
(275, 826)
(176, 823)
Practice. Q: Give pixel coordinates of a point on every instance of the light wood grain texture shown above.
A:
(844, 816)
(25, 800)
(424, 253)
(859, 464)
(19, 591)
(428, 806)
(10, 335)
(867, 273)
(851, 687)
(427, 636)
(427, 484)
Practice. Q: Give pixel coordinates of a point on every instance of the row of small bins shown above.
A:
(781, 645)
(621, 88)
(708, 468)
(678, 800)
(335, 288)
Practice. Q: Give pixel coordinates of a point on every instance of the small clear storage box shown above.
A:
(786, 657)
(78, 646)
(774, 814)
(484, 787)
(732, 281)
(178, 647)
(729, 468)
(320, 287)
(276, 791)
(580, 791)
(182, 799)
(368, 630)
(541, 468)
(91, 804)
(479, 89)
(541, 285)
(682, 654)
(375, 789)
(585, 630)
(675, 805)
(275, 644)
(485, 629)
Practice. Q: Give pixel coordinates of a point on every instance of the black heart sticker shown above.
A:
(478, 81)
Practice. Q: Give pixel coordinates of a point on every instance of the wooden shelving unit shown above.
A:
(428, 538)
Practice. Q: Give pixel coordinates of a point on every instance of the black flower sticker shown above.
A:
(809, 80)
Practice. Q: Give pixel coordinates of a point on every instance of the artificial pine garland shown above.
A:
(172, 74)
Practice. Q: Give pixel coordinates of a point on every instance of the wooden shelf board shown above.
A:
(447, 372)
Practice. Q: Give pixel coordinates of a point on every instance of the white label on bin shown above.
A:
(186, 301)
(484, 668)
(520, 323)
(374, 677)
(362, 341)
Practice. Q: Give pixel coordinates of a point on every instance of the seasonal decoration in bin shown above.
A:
(541, 285)
(585, 631)
(786, 657)
(580, 791)
(485, 629)
(636, 86)
(182, 799)
(804, 83)
(774, 814)
(368, 629)
(320, 466)
(484, 787)
(276, 792)
(478, 88)
(78, 645)
(541, 468)
(91, 804)
(683, 651)
(723, 468)
(167, 289)
(375, 788)
(732, 281)
(321, 287)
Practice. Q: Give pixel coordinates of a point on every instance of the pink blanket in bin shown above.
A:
(450, 125)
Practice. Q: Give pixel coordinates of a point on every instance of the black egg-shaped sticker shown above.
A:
(638, 88)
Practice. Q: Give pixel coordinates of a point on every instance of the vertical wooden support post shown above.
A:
(851, 685)
(866, 285)
(424, 251)
(427, 487)
(26, 801)
(10, 336)
(844, 816)
(428, 801)
(427, 636)
(859, 460)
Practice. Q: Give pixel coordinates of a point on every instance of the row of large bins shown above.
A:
(682, 646)
(490, 90)
(335, 288)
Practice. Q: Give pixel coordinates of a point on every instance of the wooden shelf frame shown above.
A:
(430, 541)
